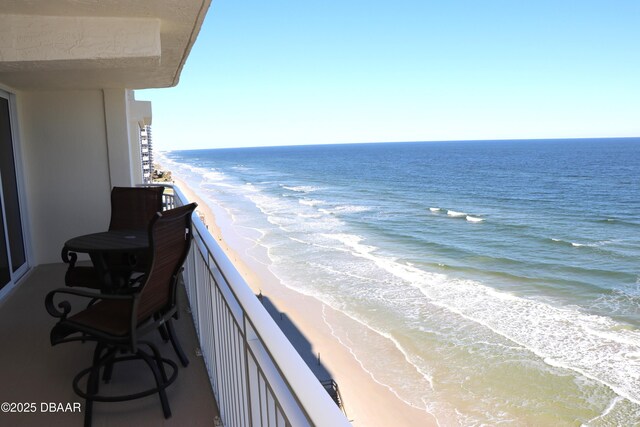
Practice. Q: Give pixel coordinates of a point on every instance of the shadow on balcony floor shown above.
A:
(33, 371)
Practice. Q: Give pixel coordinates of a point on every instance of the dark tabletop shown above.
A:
(110, 241)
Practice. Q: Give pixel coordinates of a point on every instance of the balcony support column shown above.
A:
(116, 111)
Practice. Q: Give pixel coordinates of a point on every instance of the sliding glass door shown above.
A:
(5, 272)
(12, 249)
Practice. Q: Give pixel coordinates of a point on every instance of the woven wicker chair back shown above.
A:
(134, 207)
(170, 241)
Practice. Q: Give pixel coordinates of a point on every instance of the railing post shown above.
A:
(246, 370)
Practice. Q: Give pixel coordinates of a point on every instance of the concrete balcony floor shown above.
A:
(31, 370)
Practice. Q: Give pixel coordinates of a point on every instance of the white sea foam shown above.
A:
(474, 219)
(213, 176)
(352, 241)
(195, 169)
(594, 346)
(300, 188)
(456, 214)
(310, 202)
(562, 337)
(307, 215)
(623, 301)
(194, 175)
(250, 187)
(606, 411)
(285, 213)
(220, 185)
(582, 245)
(345, 209)
(591, 245)
(435, 209)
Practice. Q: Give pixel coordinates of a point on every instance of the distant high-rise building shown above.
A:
(146, 148)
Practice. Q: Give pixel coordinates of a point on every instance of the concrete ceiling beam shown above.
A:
(59, 42)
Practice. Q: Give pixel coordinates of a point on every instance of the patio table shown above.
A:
(105, 247)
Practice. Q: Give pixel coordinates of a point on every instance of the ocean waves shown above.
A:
(581, 245)
(300, 188)
(346, 209)
(510, 301)
(619, 222)
(311, 202)
(456, 214)
(594, 346)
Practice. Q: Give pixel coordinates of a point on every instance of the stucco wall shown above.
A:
(66, 167)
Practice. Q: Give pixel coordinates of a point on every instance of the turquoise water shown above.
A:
(505, 272)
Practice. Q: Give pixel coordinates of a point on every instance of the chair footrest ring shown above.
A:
(122, 398)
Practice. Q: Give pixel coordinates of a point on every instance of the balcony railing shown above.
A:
(256, 375)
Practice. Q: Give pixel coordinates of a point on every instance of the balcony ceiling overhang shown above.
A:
(84, 44)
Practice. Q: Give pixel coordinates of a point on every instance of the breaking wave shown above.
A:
(595, 346)
(474, 219)
(300, 188)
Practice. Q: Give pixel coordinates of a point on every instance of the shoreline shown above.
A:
(366, 401)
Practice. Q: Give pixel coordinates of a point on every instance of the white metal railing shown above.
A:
(257, 377)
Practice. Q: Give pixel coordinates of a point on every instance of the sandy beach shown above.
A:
(366, 401)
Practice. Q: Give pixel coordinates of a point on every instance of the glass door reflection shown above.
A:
(12, 249)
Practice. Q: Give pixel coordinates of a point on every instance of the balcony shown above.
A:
(33, 371)
(243, 369)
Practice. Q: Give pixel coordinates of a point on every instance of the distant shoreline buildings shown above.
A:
(146, 154)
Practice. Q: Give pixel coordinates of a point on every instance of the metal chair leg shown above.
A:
(159, 381)
(163, 333)
(93, 385)
(108, 366)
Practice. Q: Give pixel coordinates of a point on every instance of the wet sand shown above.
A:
(366, 401)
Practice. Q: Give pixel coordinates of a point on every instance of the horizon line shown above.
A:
(408, 142)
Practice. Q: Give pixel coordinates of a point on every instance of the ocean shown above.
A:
(507, 273)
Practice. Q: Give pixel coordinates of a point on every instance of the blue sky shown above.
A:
(312, 72)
